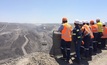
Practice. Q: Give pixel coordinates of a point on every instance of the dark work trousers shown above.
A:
(86, 40)
(66, 49)
(77, 49)
(95, 46)
(103, 42)
(91, 47)
(95, 42)
(99, 45)
(82, 50)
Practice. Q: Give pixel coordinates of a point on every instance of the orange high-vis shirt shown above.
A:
(66, 32)
(87, 30)
(94, 28)
(104, 32)
(91, 33)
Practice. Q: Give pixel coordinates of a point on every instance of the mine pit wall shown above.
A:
(11, 48)
(38, 43)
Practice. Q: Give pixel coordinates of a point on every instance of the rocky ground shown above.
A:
(40, 58)
(98, 59)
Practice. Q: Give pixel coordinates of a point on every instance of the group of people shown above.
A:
(88, 37)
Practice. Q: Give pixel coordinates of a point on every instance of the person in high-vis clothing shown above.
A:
(91, 40)
(104, 37)
(66, 33)
(100, 30)
(86, 38)
(94, 29)
(77, 40)
(82, 45)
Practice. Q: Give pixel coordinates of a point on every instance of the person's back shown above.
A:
(77, 39)
(100, 25)
(86, 38)
(86, 29)
(94, 28)
(100, 30)
(66, 32)
(104, 37)
(104, 32)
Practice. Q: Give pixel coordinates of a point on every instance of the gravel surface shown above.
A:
(40, 58)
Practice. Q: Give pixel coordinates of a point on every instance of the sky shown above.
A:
(51, 11)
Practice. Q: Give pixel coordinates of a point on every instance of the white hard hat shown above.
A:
(80, 22)
(85, 21)
(76, 21)
(103, 23)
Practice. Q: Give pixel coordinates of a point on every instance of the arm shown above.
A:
(60, 28)
(79, 33)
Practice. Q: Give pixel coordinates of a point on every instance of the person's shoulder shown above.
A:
(69, 24)
(94, 25)
(84, 25)
(97, 23)
(106, 27)
(61, 25)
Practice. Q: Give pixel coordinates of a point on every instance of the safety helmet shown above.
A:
(98, 20)
(103, 23)
(80, 22)
(76, 21)
(64, 19)
(91, 21)
(84, 21)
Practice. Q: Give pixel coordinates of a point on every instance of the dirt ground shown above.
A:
(98, 59)
(40, 58)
